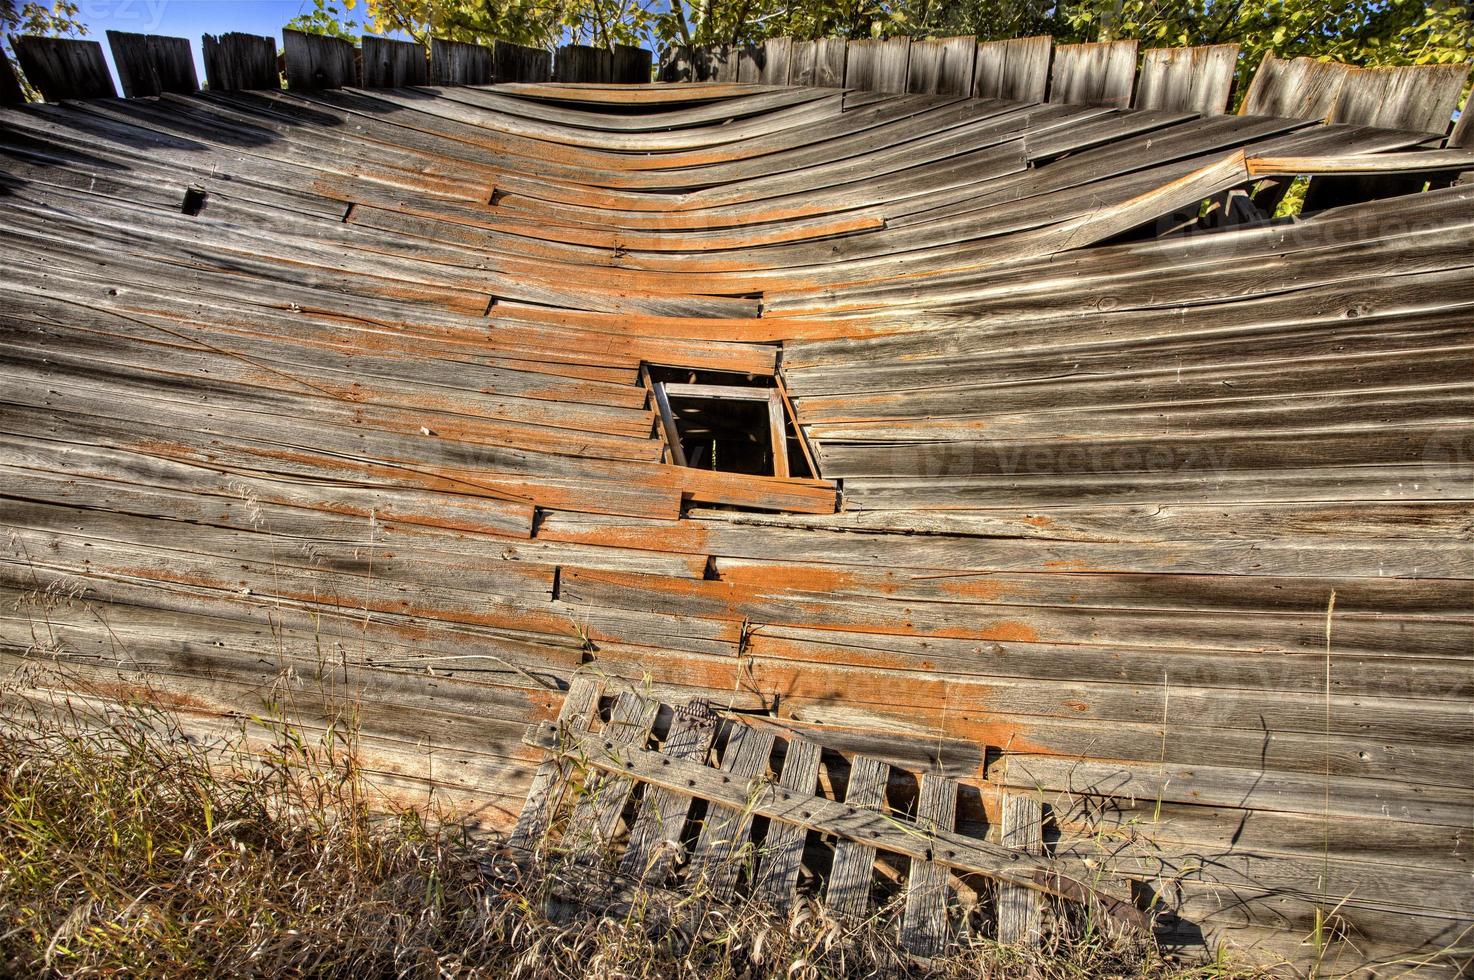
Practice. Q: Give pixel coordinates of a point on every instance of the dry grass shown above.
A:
(128, 849)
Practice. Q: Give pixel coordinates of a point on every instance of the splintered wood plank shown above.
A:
(924, 923)
(596, 814)
(726, 827)
(655, 838)
(854, 862)
(783, 850)
(549, 781)
(1019, 918)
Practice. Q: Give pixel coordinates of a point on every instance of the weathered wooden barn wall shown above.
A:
(331, 397)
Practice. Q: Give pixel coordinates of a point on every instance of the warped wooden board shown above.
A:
(382, 395)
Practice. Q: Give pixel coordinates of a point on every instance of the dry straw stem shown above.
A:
(127, 848)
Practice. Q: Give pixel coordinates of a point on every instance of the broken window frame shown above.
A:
(664, 391)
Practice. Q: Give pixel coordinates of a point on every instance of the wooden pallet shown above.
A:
(649, 838)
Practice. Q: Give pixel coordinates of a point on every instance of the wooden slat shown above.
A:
(316, 61)
(393, 64)
(62, 68)
(596, 815)
(1420, 98)
(583, 63)
(520, 63)
(1094, 74)
(1299, 88)
(783, 849)
(550, 779)
(632, 65)
(236, 62)
(1426, 161)
(460, 63)
(854, 862)
(1016, 70)
(820, 63)
(678, 64)
(777, 62)
(1019, 917)
(778, 430)
(924, 922)
(877, 65)
(941, 66)
(151, 65)
(1197, 79)
(724, 831)
(655, 837)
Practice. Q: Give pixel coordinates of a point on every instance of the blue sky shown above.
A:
(190, 19)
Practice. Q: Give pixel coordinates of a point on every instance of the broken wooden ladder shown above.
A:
(615, 761)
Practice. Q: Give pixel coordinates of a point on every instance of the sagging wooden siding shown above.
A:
(368, 426)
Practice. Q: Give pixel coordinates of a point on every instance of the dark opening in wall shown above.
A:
(729, 423)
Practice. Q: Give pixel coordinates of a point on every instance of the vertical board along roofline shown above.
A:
(240, 62)
(316, 61)
(152, 65)
(393, 64)
(62, 68)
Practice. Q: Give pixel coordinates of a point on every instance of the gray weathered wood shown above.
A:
(237, 62)
(1019, 915)
(550, 779)
(877, 65)
(776, 64)
(1094, 74)
(520, 63)
(654, 843)
(393, 64)
(941, 66)
(716, 859)
(924, 922)
(317, 61)
(1197, 79)
(783, 849)
(820, 63)
(1421, 98)
(596, 814)
(1298, 88)
(1016, 70)
(63, 68)
(460, 63)
(150, 65)
(854, 862)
